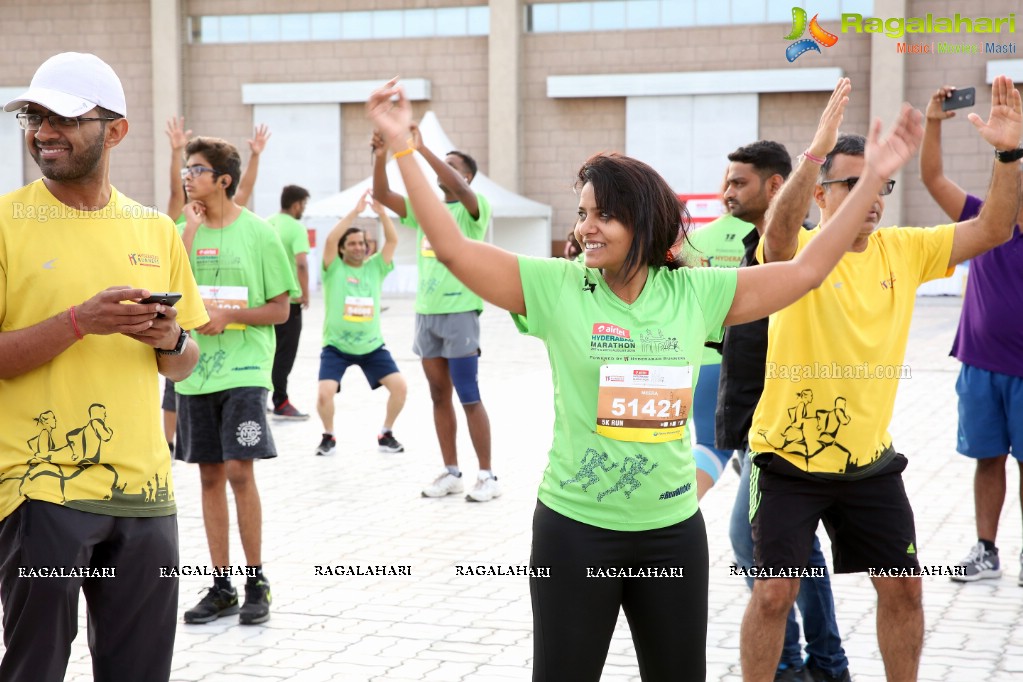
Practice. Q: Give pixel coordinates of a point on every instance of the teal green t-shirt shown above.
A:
(623, 384)
(293, 236)
(439, 292)
(352, 296)
(718, 244)
(242, 264)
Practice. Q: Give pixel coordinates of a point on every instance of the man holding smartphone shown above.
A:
(989, 343)
(86, 499)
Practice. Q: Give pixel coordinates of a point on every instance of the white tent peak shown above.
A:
(503, 202)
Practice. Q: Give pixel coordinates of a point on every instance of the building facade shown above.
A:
(531, 89)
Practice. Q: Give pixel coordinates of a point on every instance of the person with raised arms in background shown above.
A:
(352, 282)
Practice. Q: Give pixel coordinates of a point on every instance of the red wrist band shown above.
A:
(816, 159)
(74, 324)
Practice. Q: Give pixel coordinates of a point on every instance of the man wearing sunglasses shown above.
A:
(820, 440)
(86, 498)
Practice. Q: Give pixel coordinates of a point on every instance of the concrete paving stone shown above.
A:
(250, 671)
(412, 669)
(451, 671)
(499, 673)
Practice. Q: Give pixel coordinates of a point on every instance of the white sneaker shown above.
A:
(445, 484)
(979, 564)
(486, 489)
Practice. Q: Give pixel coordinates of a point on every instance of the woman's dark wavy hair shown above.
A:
(637, 196)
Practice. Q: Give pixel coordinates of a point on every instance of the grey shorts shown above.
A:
(451, 335)
(216, 427)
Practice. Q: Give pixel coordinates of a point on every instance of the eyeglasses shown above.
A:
(885, 190)
(35, 121)
(195, 171)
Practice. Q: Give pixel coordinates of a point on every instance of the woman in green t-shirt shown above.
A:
(352, 281)
(617, 525)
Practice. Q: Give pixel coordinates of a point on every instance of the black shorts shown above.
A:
(869, 520)
(169, 403)
(216, 427)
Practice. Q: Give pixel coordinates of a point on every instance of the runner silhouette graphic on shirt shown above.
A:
(591, 461)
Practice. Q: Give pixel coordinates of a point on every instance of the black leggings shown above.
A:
(574, 615)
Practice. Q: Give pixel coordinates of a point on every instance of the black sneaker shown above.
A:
(388, 443)
(789, 674)
(327, 445)
(217, 602)
(288, 411)
(815, 674)
(256, 608)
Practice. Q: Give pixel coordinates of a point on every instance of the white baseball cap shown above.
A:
(72, 83)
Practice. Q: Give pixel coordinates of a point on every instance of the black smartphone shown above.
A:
(960, 99)
(166, 298)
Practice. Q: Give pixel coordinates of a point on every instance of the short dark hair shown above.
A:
(637, 196)
(222, 155)
(848, 144)
(292, 193)
(766, 156)
(469, 162)
(107, 113)
(348, 233)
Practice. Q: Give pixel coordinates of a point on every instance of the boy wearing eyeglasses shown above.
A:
(86, 496)
(819, 439)
(246, 283)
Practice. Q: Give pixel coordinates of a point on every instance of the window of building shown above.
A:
(616, 15)
(372, 25)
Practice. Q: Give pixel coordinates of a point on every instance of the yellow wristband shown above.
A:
(403, 152)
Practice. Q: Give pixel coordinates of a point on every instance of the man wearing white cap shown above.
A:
(86, 499)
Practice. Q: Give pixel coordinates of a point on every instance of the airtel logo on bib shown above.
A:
(606, 329)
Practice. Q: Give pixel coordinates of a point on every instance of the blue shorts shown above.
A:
(709, 459)
(375, 365)
(990, 413)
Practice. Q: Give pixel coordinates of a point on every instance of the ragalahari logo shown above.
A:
(817, 35)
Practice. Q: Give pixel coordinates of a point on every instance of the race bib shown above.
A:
(233, 297)
(359, 308)
(643, 403)
(426, 249)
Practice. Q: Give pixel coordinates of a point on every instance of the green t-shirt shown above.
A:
(718, 244)
(352, 296)
(294, 237)
(240, 265)
(438, 291)
(623, 383)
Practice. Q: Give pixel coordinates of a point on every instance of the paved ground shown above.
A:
(362, 507)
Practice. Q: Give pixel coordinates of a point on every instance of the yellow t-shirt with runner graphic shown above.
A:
(84, 429)
(834, 357)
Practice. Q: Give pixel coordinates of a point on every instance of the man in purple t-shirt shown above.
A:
(989, 343)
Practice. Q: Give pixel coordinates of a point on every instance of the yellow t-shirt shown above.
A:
(84, 429)
(834, 357)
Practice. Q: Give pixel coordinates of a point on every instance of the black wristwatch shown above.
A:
(1009, 155)
(179, 347)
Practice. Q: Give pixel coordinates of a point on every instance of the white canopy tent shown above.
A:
(519, 224)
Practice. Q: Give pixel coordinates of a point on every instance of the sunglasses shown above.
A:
(885, 190)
